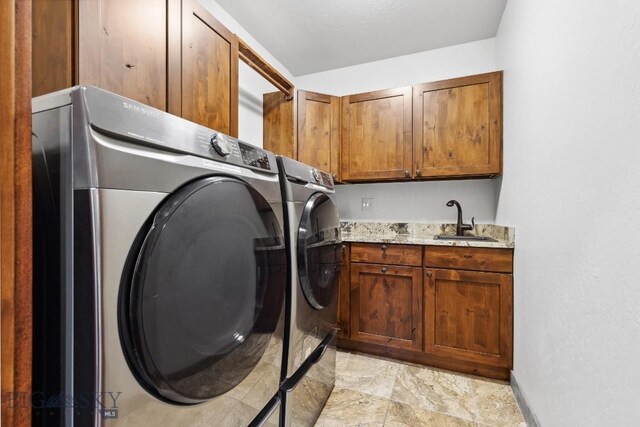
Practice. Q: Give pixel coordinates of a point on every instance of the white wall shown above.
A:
(455, 61)
(419, 201)
(250, 113)
(251, 85)
(572, 189)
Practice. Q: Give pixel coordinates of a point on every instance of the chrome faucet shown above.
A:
(460, 226)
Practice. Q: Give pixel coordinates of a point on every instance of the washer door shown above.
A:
(204, 290)
(319, 251)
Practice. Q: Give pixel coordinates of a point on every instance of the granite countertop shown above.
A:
(424, 234)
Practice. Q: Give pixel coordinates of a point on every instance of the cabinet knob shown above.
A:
(407, 173)
(418, 172)
(383, 247)
(383, 269)
(429, 274)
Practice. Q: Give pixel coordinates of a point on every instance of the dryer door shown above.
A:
(319, 251)
(204, 290)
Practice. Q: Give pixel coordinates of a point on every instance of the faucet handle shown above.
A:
(469, 227)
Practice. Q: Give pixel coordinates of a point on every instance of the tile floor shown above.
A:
(374, 391)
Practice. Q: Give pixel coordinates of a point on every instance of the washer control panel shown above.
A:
(254, 156)
(226, 146)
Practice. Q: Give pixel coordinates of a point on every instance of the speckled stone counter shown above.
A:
(424, 234)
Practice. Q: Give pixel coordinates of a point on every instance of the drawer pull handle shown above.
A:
(468, 256)
(383, 247)
(429, 274)
(383, 269)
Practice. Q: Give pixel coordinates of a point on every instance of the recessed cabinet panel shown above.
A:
(469, 316)
(386, 305)
(319, 131)
(376, 135)
(457, 127)
(377, 317)
(278, 123)
(122, 48)
(209, 71)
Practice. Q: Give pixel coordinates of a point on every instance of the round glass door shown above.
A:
(319, 251)
(204, 291)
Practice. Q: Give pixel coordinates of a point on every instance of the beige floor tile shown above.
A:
(435, 390)
(342, 359)
(264, 388)
(367, 375)
(496, 404)
(401, 415)
(349, 408)
(241, 416)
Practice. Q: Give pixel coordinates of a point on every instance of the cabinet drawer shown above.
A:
(386, 254)
(464, 258)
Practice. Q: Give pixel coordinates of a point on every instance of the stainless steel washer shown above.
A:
(160, 268)
(314, 250)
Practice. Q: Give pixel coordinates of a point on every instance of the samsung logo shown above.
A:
(139, 109)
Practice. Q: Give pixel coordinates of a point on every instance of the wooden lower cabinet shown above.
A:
(453, 318)
(386, 305)
(468, 315)
(344, 317)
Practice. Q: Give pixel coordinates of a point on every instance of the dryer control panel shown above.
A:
(301, 173)
(319, 177)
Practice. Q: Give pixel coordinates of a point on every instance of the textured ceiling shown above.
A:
(308, 36)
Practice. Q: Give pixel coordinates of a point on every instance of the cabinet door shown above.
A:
(386, 305)
(376, 135)
(52, 46)
(469, 316)
(208, 88)
(122, 48)
(278, 124)
(344, 319)
(458, 126)
(319, 131)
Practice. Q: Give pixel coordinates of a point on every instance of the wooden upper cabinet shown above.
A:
(376, 135)
(122, 48)
(457, 127)
(208, 87)
(386, 305)
(319, 131)
(469, 316)
(278, 124)
(53, 47)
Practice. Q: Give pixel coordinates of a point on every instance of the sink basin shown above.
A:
(466, 238)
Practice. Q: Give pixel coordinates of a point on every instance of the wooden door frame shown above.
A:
(15, 210)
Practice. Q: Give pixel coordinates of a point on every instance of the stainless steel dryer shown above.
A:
(160, 269)
(314, 252)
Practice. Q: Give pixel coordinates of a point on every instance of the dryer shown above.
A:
(159, 268)
(314, 253)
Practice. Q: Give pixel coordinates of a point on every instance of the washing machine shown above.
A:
(314, 254)
(159, 269)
